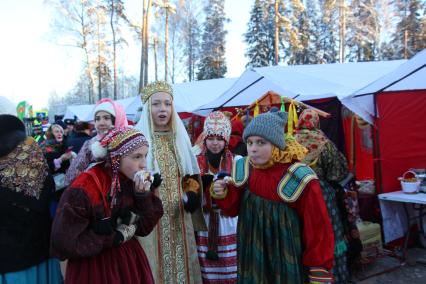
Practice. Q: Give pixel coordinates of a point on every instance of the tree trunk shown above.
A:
(277, 34)
(92, 99)
(342, 10)
(146, 38)
(173, 55)
(114, 45)
(99, 64)
(155, 57)
(166, 45)
(142, 67)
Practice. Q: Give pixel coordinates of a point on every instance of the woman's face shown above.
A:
(103, 122)
(161, 111)
(215, 144)
(58, 134)
(134, 162)
(259, 150)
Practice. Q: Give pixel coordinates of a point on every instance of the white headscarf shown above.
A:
(187, 161)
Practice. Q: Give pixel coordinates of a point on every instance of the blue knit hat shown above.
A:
(269, 126)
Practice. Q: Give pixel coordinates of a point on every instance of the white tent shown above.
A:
(131, 105)
(6, 106)
(82, 112)
(187, 97)
(191, 95)
(304, 82)
(408, 76)
(85, 112)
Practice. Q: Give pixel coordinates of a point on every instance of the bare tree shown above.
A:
(342, 27)
(146, 40)
(167, 8)
(144, 35)
(73, 26)
(114, 52)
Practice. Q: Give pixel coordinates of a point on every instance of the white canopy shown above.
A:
(191, 95)
(82, 112)
(408, 76)
(6, 106)
(304, 82)
(187, 97)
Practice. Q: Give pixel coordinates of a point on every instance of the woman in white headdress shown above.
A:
(171, 247)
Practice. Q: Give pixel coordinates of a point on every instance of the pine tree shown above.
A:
(191, 36)
(212, 64)
(406, 41)
(328, 25)
(308, 35)
(363, 30)
(259, 51)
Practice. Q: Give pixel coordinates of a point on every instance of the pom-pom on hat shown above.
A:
(156, 87)
(217, 124)
(117, 143)
(268, 125)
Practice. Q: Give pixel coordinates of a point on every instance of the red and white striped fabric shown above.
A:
(223, 270)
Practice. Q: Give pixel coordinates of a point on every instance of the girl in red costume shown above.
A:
(283, 225)
(216, 247)
(99, 215)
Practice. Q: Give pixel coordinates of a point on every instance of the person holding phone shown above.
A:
(103, 210)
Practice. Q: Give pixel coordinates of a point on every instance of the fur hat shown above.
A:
(12, 133)
(217, 124)
(117, 143)
(270, 126)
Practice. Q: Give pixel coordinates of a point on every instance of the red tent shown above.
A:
(396, 106)
(400, 136)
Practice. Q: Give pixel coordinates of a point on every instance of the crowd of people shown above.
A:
(113, 203)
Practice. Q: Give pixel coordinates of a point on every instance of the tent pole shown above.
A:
(255, 82)
(376, 150)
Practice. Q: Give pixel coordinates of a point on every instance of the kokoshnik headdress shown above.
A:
(156, 87)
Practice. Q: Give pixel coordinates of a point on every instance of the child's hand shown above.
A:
(219, 187)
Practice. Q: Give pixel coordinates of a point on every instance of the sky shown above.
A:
(32, 65)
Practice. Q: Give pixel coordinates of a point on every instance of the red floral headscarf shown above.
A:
(308, 134)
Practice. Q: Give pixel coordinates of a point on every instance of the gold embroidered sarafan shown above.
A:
(177, 256)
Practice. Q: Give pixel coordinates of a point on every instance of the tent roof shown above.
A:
(6, 106)
(408, 76)
(305, 82)
(82, 112)
(190, 95)
(187, 97)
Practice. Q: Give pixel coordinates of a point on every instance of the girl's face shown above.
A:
(259, 150)
(58, 134)
(134, 162)
(215, 144)
(103, 122)
(161, 111)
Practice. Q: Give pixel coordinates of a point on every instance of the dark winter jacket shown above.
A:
(77, 141)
